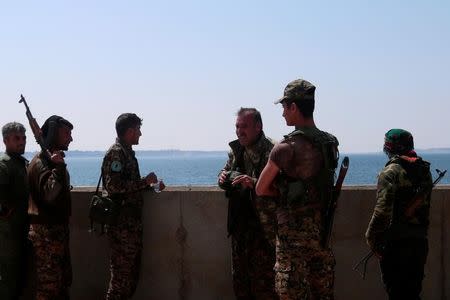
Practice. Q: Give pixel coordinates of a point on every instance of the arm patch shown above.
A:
(116, 166)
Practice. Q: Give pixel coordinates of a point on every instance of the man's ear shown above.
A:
(127, 133)
(293, 107)
(259, 126)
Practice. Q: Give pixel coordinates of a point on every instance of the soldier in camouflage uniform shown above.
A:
(251, 219)
(123, 183)
(397, 235)
(13, 211)
(50, 210)
(301, 170)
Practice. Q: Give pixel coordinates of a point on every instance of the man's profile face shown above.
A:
(135, 134)
(15, 142)
(287, 112)
(64, 137)
(247, 130)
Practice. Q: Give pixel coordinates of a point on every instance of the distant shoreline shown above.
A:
(203, 153)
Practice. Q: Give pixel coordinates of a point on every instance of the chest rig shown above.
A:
(317, 190)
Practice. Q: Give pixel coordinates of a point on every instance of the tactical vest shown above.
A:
(297, 191)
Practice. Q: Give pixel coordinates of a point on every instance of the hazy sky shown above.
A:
(187, 66)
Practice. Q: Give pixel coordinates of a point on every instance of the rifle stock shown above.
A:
(329, 214)
(418, 199)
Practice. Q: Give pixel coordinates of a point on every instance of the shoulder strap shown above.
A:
(325, 141)
(99, 181)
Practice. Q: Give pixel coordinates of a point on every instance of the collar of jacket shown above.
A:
(125, 146)
(236, 146)
(398, 159)
(16, 156)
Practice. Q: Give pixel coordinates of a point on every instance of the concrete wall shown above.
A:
(187, 254)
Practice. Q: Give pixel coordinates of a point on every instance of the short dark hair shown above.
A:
(253, 111)
(49, 133)
(126, 121)
(11, 127)
(305, 106)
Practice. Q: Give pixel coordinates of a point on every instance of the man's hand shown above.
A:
(57, 157)
(151, 178)
(222, 177)
(244, 180)
(162, 186)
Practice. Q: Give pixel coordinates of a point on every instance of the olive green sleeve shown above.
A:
(4, 182)
(228, 165)
(382, 214)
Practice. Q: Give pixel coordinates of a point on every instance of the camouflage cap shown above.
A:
(398, 141)
(298, 89)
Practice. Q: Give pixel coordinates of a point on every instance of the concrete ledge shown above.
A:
(187, 254)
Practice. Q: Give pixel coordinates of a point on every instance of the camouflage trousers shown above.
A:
(52, 264)
(266, 210)
(253, 259)
(304, 269)
(126, 247)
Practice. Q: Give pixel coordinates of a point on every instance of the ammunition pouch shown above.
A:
(104, 210)
(296, 192)
(293, 191)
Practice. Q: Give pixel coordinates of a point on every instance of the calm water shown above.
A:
(202, 169)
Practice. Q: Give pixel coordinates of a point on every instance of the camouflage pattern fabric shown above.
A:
(401, 240)
(255, 158)
(49, 212)
(253, 240)
(253, 260)
(395, 190)
(304, 268)
(126, 246)
(123, 182)
(53, 269)
(121, 177)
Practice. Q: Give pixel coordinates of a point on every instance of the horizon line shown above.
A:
(443, 150)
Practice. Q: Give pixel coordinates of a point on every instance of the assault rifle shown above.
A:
(410, 210)
(329, 214)
(35, 127)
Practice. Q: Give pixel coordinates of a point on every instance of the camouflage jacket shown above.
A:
(13, 194)
(121, 177)
(250, 161)
(253, 158)
(50, 201)
(398, 183)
